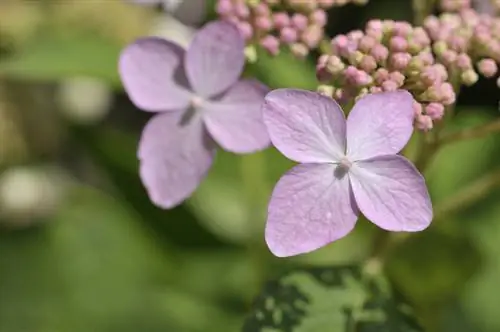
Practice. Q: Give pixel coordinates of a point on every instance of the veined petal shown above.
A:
(174, 158)
(152, 75)
(391, 193)
(310, 207)
(215, 58)
(379, 124)
(235, 121)
(305, 126)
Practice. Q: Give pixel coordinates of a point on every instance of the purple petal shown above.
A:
(235, 121)
(215, 59)
(310, 207)
(379, 124)
(151, 72)
(174, 158)
(391, 193)
(305, 126)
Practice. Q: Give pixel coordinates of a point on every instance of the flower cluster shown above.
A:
(386, 56)
(467, 43)
(483, 6)
(298, 24)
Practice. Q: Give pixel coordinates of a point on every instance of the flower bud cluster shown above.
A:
(490, 7)
(296, 24)
(386, 56)
(467, 43)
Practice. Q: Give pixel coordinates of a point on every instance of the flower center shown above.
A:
(196, 102)
(342, 168)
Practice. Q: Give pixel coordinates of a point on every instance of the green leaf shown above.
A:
(56, 56)
(344, 298)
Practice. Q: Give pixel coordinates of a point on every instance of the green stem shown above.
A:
(469, 195)
(471, 133)
(422, 9)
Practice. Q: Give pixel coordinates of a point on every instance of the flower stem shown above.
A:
(469, 195)
(421, 9)
(471, 133)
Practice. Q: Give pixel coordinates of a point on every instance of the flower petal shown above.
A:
(310, 207)
(215, 59)
(379, 124)
(235, 121)
(152, 75)
(174, 158)
(391, 193)
(305, 126)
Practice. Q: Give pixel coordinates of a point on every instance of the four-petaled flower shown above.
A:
(199, 100)
(346, 167)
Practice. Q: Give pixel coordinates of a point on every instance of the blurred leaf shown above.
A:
(330, 298)
(91, 265)
(474, 158)
(55, 56)
(284, 71)
(431, 268)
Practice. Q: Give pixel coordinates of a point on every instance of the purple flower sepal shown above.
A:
(346, 166)
(200, 101)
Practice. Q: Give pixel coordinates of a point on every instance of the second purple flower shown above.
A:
(200, 101)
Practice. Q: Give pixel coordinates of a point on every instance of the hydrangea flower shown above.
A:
(199, 100)
(346, 167)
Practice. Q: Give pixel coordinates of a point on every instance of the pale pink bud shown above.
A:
(423, 122)
(381, 75)
(300, 21)
(224, 7)
(263, 23)
(389, 86)
(368, 63)
(355, 35)
(319, 17)
(299, 50)
(434, 110)
(463, 61)
(397, 77)
(457, 43)
(363, 78)
(312, 36)
(281, 20)
(380, 53)
(402, 28)
(288, 35)
(325, 3)
(241, 10)
(487, 67)
(417, 109)
(426, 57)
(398, 44)
(366, 43)
(421, 37)
(447, 94)
(400, 60)
(449, 57)
(270, 44)
(262, 9)
(335, 64)
(375, 89)
(245, 29)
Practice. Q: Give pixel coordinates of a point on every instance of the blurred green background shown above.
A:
(83, 249)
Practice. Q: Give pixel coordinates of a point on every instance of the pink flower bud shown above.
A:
(402, 29)
(245, 29)
(262, 9)
(423, 122)
(397, 77)
(241, 10)
(270, 44)
(381, 75)
(400, 61)
(366, 43)
(281, 20)
(288, 35)
(368, 63)
(325, 3)
(447, 94)
(263, 23)
(300, 21)
(299, 50)
(319, 17)
(380, 53)
(390, 86)
(417, 109)
(398, 44)
(487, 67)
(311, 37)
(375, 89)
(469, 77)
(463, 61)
(434, 110)
(224, 7)
(448, 57)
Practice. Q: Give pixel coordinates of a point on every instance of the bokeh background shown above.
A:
(83, 249)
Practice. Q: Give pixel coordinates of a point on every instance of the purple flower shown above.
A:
(199, 99)
(346, 167)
